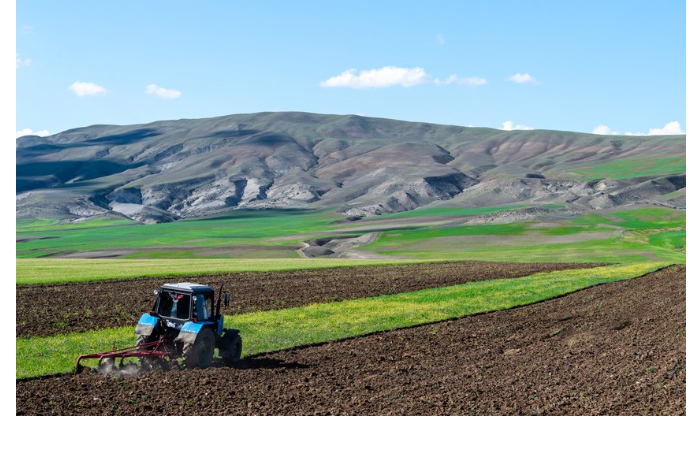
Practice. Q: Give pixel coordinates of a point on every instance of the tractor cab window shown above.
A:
(204, 306)
(176, 305)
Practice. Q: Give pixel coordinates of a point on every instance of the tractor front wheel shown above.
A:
(201, 351)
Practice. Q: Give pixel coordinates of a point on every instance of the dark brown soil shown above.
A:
(46, 310)
(614, 349)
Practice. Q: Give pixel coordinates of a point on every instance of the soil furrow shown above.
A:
(613, 349)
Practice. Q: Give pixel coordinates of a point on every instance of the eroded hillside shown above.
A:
(169, 170)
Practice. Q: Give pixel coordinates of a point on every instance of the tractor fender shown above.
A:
(147, 324)
(190, 330)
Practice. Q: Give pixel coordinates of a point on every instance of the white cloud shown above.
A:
(82, 89)
(393, 76)
(22, 62)
(467, 81)
(27, 29)
(522, 78)
(27, 131)
(672, 128)
(604, 130)
(508, 126)
(378, 78)
(162, 92)
(441, 39)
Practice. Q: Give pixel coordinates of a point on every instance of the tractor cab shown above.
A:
(183, 302)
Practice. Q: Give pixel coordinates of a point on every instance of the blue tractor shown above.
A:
(185, 317)
(186, 323)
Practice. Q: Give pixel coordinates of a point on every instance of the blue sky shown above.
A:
(578, 66)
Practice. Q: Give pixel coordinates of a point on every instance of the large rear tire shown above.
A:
(234, 347)
(200, 353)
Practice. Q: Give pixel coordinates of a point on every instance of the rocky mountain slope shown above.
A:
(169, 170)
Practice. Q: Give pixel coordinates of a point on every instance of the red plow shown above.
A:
(144, 352)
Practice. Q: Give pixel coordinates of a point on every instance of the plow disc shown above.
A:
(154, 350)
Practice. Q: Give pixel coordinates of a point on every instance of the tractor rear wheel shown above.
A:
(234, 347)
(201, 351)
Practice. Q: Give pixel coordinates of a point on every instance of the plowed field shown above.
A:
(613, 349)
(46, 310)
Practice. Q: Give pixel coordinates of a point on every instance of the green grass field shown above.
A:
(46, 224)
(632, 236)
(648, 234)
(261, 227)
(280, 329)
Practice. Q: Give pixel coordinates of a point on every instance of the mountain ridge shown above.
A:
(169, 170)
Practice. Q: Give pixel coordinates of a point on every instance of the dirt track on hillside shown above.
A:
(46, 310)
(613, 349)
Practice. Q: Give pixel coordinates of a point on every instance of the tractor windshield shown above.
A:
(175, 305)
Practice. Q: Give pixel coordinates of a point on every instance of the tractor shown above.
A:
(184, 323)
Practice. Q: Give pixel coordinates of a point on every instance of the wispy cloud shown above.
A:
(26, 62)
(162, 92)
(672, 128)
(440, 39)
(27, 131)
(522, 78)
(82, 89)
(393, 76)
(467, 81)
(508, 126)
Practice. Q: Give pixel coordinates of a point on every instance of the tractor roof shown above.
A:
(188, 287)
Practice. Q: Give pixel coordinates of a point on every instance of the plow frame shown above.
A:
(156, 349)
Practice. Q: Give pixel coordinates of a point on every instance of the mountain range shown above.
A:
(356, 165)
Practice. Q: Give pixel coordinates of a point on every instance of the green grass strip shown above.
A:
(59, 270)
(280, 329)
